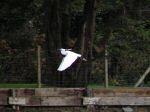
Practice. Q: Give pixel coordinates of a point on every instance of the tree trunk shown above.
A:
(87, 36)
(53, 39)
(57, 25)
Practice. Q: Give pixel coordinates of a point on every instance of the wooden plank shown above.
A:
(24, 92)
(120, 92)
(5, 92)
(3, 100)
(111, 101)
(25, 101)
(43, 92)
(17, 101)
(61, 101)
(45, 101)
(60, 92)
(33, 101)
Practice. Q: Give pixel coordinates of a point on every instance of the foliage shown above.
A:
(121, 24)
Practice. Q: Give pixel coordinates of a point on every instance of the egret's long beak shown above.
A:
(60, 49)
(84, 59)
(65, 49)
(69, 49)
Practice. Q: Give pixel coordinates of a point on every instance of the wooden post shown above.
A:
(142, 77)
(39, 65)
(90, 107)
(106, 66)
(13, 95)
(15, 107)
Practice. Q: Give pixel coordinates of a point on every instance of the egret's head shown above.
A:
(63, 51)
(68, 49)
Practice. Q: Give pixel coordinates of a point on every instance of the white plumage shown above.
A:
(68, 60)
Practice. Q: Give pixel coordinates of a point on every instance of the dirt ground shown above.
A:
(72, 109)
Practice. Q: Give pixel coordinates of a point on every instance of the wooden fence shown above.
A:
(74, 97)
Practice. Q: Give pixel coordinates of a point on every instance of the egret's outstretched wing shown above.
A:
(68, 60)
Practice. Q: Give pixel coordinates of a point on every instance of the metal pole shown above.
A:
(106, 66)
(39, 65)
(142, 77)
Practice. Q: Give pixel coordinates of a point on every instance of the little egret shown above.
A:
(68, 60)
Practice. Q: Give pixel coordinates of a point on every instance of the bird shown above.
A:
(69, 58)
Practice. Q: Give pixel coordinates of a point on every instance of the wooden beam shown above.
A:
(61, 101)
(60, 92)
(3, 101)
(121, 92)
(45, 101)
(113, 101)
(17, 100)
(23, 92)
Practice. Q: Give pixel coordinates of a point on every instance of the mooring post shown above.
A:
(39, 65)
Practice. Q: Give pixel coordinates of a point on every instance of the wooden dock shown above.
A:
(75, 97)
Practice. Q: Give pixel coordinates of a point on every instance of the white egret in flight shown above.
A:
(68, 60)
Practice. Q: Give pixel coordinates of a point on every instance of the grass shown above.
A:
(96, 86)
(20, 85)
(110, 86)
